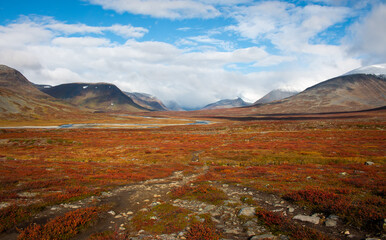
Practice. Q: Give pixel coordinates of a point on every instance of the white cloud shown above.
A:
(368, 37)
(173, 9)
(46, 51)
(287, 26)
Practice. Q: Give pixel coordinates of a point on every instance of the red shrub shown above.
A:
(199, 231)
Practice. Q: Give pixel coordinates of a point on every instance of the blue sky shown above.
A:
(192, 52)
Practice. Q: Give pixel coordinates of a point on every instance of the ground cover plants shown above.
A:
(315, 164)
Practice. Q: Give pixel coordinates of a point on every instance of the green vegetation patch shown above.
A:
(161, 219)
(202, 192)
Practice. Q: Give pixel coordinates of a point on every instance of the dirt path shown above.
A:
(231, 218)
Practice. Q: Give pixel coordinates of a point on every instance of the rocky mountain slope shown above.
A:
(345, 93)
(20, 99)
(147, 101)
(95, 96)
(226, 103)
(275, 95)
(376, 69)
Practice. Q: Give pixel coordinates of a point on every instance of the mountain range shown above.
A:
(21, 100)
(275, 95)
(352, 92)
(227, 103)
(95, 96)
(360, 89)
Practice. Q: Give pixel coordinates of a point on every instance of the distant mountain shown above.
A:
(174, 106)
(227, 103)
(345, 93)
(42, 86)
(275, 95)
(20, 99)
(95, 96)
(147, 101)
(377, 69)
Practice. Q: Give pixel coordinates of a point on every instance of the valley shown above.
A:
(194, 181)
(89, 161)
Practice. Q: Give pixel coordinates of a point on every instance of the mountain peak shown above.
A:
(376, 69)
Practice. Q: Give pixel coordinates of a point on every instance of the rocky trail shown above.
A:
(234, 218)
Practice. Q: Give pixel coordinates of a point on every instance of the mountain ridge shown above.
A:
(95, 96)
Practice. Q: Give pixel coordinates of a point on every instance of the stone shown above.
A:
(263, 236)
(112, 213)
(247, 212)
(330, 223)
(232, 231)
(28, 194)
(153, 204)
(310, 219)
(129, 213)
(333, 217)
(369, 163)
(290, 209)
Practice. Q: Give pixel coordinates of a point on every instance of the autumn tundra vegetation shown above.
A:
(325, 166)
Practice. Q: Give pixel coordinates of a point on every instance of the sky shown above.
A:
(192, 52)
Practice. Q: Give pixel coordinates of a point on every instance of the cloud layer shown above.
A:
(286, 48)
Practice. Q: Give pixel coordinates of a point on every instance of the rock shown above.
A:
(247, 212)
(156, 196)
(118, 216)
(129, 213)
(263, 236)
(369, 163)
(372, 239)
(333, 217)
(290, 209)
(278, 210)
(343, 173)
(233, 231)
(27, 194)
(347, 232)
(4, 205)
(304, 218)
(112, 213)
(250, 233)
(330, 223)
(153, 204)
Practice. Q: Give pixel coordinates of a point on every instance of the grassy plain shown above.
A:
(318, 164)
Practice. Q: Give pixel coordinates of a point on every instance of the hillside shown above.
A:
(345, 93)
(95, 96)
(21, 100)
(147, 101)
(275, 95)
(226, 103)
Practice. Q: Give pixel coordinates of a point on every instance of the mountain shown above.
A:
(20, 99)
(41, 86)
(147, 101)
(275, 95)
(352, 92)
(227, 103)
(174, 106)
(95, 96)
(377, 69)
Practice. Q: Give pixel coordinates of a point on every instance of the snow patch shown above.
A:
(377, 69)
(84, 87)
